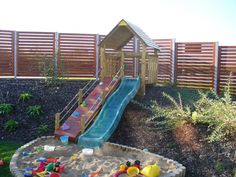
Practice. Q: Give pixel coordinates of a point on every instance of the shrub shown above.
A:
(25, 96)
(5, 108)
(49, 70)
(174, 116)
(34, 111)
(218, 113)
(11, 125)
(43, 128)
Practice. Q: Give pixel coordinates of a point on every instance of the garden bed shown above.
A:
(186, 144)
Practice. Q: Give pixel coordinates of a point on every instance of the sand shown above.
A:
(108, 158)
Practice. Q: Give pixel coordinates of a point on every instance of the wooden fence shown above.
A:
(6, 53)
(202, 65)
(194, 65)
(227, 67)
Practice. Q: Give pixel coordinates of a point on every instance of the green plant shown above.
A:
(5, 108)
(218, 113)
(43, 128)
(219, 167)
(51, 70)
(25, 96)
(11, 125)
(174, 115)
(234, 172)
(34, 111)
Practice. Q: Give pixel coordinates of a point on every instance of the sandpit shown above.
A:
(108, 158)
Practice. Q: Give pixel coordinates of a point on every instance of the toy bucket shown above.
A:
(64, 139)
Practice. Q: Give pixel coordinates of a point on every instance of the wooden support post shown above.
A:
(80, 99)
(82, 123)
(103, 60)
(122, 64)
(156, 66)
(57, 121)
(104, 93)
(143, 70)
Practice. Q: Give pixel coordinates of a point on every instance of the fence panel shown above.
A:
(6, 53)
(77, 54)
(34, 49)
(227, 68)
(194, 67)
(164, 60)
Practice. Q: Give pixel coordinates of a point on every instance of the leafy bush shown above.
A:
(43, 128)
(34, 111)
(11, 125)
(25, 96)
(5, 108)
(176, 115)
(218, 113)
(49, 70)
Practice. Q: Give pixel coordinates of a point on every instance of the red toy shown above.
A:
(1, 163)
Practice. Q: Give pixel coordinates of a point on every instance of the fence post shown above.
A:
(57, 121)
(97, 55)
(56, 54)
(216, 67)
(15, 54)
(173, 60)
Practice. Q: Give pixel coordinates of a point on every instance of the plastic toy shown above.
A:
(1, 162)
(39, 149)
(151, 171)
(84, 104)
(41, 159)
(97, 172)
(26, 153)
(40, 168)
(42, 174)
(28, 172)
(57, 167)
(133, 171)
(49, 167)
(49, 148)
(74, 157)
(51, 160)
(54, 175)
(64, 139)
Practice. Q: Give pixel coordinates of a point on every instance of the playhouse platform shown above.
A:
(94, 104)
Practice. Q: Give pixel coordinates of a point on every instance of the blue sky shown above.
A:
(185, 20)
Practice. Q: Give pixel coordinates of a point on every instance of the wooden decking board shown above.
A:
(74, 121)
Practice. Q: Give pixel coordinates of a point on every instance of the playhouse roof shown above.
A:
(122, 33)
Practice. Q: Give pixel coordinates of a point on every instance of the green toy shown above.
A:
(84, 104)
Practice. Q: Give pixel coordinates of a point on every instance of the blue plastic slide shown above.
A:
(110, 115)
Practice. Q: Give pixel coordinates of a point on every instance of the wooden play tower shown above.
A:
(145, 54)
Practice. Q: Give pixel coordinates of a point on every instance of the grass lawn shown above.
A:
(7, 149)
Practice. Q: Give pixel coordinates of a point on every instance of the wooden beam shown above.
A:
(143, 70)
(122, 64)
(103, 62)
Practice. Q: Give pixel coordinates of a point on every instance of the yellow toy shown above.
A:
(133, 171)
(151, 171)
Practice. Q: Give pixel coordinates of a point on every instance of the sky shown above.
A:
(184, 20)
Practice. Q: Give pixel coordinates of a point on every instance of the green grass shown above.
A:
(7, 149)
